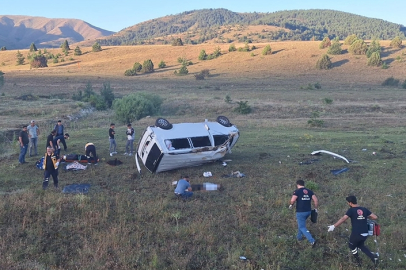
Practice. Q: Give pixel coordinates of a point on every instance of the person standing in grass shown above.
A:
(60, 131)
(112, 140)
(50, 166)
(303, 198)
(23, 140)
(33, 132)
(359, 232)
(50, 139)
(129, 147)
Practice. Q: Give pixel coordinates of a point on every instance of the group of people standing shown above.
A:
(359, 220)
(129, 147)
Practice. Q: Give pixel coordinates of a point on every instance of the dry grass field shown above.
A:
(132, 221)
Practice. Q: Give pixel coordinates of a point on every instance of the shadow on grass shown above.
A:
(340, 63)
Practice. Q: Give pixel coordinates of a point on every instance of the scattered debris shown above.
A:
(330, 153)
(75, 166)
(237, 174)
(207, 174)
(337, 172)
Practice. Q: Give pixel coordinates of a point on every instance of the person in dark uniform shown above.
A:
(91, 153)
(303, 198)
(23, 140)
(359, 232)
(58, 140)
(60, 131)
(50, 166)
(112, 141)
(50, 139)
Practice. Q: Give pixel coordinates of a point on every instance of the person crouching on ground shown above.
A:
(50, 166)
(91, 153)
(57, 142)
(183, 188)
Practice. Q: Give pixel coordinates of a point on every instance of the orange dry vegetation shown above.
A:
(288, 60)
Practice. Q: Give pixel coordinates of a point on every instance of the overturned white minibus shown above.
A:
(167, 146)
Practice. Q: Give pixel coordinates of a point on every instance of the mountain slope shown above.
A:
(18, 32)
(200, 26)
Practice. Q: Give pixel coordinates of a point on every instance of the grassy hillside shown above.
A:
(132, 221)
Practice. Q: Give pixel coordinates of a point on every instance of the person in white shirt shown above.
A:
(33, 132)
(129, 147)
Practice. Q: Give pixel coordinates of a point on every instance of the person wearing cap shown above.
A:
(91, 153)
(33, 132)
(112, 140)
(359, 232)
(23, 140)
(60, 131)
(57, 142)
(303, 198)
(50, 166)
(129, 147)
(183, 188)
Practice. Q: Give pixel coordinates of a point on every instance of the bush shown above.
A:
(326, 42)
(267, 50)
(177, 42)
(183, 70)
(232, 48)
(358, 47)
(20, 58)
(384, 65)
(65, 46)
(350, 39)
(375, 59)
(96, 47)
(404, 85)
(148, 66)
(373, 47)
(243, 107)
(390, 82)
(246, 48)
(227, 99)
(324, 62)
(33, 48)
(162, 64)
(314, 120)
(107, 94)
(396, 42)
(98, 102)
(3, 48)
(203, 74)
(136, 106)
(130, 72)
(335, 48)
(137, 67)
(202, 55)
(38, 61)
(77, 51)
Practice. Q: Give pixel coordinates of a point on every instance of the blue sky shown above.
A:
(119, 14)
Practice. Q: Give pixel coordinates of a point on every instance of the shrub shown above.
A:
(232, 48)
(177, 42)
(324, 62)
(314, 120)
(97, 102)
(317, 85)
(96, 47)
(107, 94)
(162, 64)
(390, 82)
(1, 79)
(183, 70)
(335, 48)
(182, 60)
(202, 55)
(203, 74)
(350, 39)
(3, 48)
(33, 48)
(246, 48)
(358, 47)
(375, 59)
(404, 85)
(148, 66)
(130, 72)
(77, 51)
(396, 42)
(227, 99)
(326, 42)
(137, 67)
(373, 47)
(384, 65)
(267, 50)
(65, 46)
(199, 76)
(38, 61)
(20, 58)
(243, 107)
(136, 106)
(328, 101)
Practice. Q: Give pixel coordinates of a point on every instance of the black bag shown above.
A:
(313, 216)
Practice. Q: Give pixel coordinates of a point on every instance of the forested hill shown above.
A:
(199, 26)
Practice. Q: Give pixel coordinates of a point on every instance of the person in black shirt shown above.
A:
(303, 198)
(113, 145)
(359, 232)
(50, 166)
(23, 140)
(50, 139)
(60, 131)
(58, 140)
(91, 153)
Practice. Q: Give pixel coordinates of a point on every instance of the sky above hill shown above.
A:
(117, 15)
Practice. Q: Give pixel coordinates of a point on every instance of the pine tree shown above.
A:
(77, 51)
(20, 58)
(33, 48)
(96, 47)
(65, 46)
